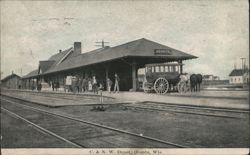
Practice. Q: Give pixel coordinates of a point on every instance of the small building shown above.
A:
(12, 81)
(216, 78)
(239, 76)
(208, 77)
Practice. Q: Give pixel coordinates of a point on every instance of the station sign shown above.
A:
(162, 52)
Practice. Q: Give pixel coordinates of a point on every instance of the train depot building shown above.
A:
(103, 63)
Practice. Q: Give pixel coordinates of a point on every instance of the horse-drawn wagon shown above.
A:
(167, 76)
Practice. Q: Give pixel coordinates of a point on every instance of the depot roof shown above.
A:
(137, 48)
(31, 74)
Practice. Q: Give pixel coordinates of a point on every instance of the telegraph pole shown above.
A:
(243, 63)
(102, 43)
(243, 67)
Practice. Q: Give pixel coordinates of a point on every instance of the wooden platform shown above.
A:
(58, 99)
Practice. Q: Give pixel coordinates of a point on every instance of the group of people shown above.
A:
(110, 83)
(78, 84)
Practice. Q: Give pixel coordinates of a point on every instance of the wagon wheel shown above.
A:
(179, 86)
(182, 87)
(161, 86)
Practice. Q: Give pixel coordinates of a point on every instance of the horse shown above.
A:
(193, 82)
(199, 81)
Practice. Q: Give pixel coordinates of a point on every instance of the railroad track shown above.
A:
(42, 130)
(68, 128)
(190, 109)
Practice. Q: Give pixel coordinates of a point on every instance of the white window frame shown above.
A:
(166, 69)
(157, 69)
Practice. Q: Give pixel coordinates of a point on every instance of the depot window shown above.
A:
(166, 68)
(170, 68)
(162, 68)
(177, 68)
(173, 68)
(149, 69)
(153, 69)
(157, 69)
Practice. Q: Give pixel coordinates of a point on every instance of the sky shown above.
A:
(215, 31)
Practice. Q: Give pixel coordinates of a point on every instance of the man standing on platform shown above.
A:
(84, 84)
(117, 80)
(94, 84)
(53, 85)
(109, 84)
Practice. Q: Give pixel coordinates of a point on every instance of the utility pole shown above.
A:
(102, 43)
(243, 63)
(243, 66)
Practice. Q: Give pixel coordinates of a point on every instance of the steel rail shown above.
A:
(210, 108)
(180, 111)
(197, 107)
(43, 130)
(96, 124)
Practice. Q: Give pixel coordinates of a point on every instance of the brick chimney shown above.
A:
(77, 47)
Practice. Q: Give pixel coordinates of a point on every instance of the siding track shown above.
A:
(190, 109)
